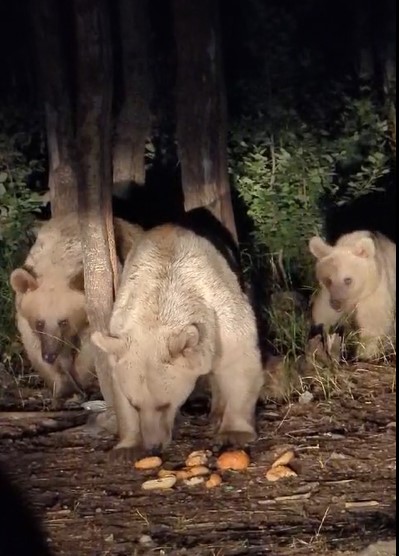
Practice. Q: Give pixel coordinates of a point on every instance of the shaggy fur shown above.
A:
(358, 282)
(50, 304)
(180, 313)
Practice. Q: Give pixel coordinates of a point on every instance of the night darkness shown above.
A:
(327, 31)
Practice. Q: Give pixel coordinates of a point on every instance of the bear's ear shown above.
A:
(22, 281)
(77, 282)
(318, 247)
(364, 248)
(188, 338)
(108, 344)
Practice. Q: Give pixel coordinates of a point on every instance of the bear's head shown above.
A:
(157, 369)
(54, 308)
(348, 272)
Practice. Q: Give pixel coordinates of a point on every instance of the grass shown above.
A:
(307, 366)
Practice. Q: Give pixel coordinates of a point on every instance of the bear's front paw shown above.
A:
(126, 454)
(235, 439)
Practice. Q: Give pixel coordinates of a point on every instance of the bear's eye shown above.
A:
(63, 323)
(40, 325)
(328, 282)
(348, 281)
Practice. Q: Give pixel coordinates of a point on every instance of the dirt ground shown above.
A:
(343, 499)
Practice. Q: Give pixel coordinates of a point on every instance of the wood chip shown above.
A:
(363, 504)
(293, 497)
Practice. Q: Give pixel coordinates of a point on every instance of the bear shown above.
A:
(58, 250)
(50, 304)
(357, 278)
(52, 321)
(180, 314)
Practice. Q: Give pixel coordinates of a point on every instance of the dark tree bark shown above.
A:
(53, 81)
(386, 53)
(375, 32)
(201, 109)
(133, 123)
(94, 79)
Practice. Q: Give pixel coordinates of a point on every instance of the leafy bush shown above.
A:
(288, 171)
(21, 167)
(309, 133)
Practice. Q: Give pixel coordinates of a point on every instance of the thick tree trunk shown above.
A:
(133, 122)
(94, 169)
(201, 109)
(52, 66)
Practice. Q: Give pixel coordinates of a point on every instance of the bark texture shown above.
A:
(133, 122)
(94, 169)
(201, 109)
(55, 90)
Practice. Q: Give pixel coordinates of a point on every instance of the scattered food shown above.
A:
(200, 457)
(166, 473)
(161, 484)
(237, 460)
(193, 481)
(198, 470)
(183, 474)
(284, 459)
(213, 481)
(148, 463)
(280, 472)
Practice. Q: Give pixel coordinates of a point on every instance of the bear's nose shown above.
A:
(49, 357)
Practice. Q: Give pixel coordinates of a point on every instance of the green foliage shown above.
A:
(287, 171)
(302, 143)
(21, 163)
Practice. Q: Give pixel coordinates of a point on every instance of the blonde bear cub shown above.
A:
(357, 278)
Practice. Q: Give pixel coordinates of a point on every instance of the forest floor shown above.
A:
(343, 499)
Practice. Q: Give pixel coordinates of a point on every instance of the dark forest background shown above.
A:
(311, 93)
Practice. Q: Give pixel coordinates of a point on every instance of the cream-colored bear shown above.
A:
(51, 308)
(357, 277)
(180, 313)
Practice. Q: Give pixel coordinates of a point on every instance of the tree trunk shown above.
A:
(94, 102)
(386, 54)
(201, 109)
(364, 40)
(52, 66)
(133, 122)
